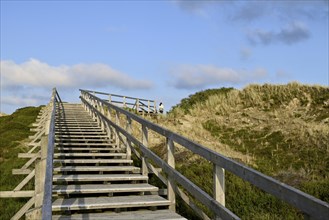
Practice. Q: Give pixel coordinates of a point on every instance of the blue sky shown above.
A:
(162, 50)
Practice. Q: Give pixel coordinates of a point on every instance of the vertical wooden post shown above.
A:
(110, 129)
(128, 128)
(145, 141)
(101, 108)
(124, 101)
(39, 179)
(171, 162)
(137, 106)
(219, 184)
(110, 98)
(148, 107)
(117, 122)
(155, 107)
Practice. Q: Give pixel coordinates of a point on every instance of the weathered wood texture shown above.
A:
(135, 215)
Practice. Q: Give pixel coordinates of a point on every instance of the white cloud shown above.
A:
(201, 76)
(24, 100)
(35, 73)
(30, 83)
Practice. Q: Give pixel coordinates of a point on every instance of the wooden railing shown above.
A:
(56, 102)
(139, 105)
(102, 111)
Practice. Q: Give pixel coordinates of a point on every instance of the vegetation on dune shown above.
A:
(280, 130)
(284, 129)
(14, 129)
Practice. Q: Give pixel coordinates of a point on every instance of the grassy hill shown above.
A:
(14, 131)
(280, 130)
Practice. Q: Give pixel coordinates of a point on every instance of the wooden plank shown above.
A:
(34, 144)
(21, 171)
(84, 136)
(25, 181)
(85, 144)
(88, 203)
(171, 183)
(96, 168)
(89, 149)
(22, 211)
(133, 215)
(89, 155)
(16, 194)
(100, 177)
(219, 184)
(79, 132)
(96, 139)
(32, 149)
(86, 161)
(28, 155)
(28, 163)
(103, 188)
(78, 127)
(145, 143)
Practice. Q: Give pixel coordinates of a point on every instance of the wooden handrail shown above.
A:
(309, 205)
(114, 95)
(129, 101)
(48, 184)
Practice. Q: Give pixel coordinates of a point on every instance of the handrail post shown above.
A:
(219, 184)
(148, 107)
(110, 98)
(101, 107)
(117, 122)
(171, 183)
(137, 106)
(128, 128)
(145, 143)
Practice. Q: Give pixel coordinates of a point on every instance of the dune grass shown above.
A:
(14, 130)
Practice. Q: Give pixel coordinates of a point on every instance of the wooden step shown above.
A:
(133, 215)
(92, 129)
(96, 168)
(59, 133)
(87, 161)
(89, 203)
(100, 177)
(77, 127)
(96, 139)
(103, 188)
(56, 155)
(89, 149)
(60, 118)
(71, 137)
(83, 140)
(85, 144)
(80, 122)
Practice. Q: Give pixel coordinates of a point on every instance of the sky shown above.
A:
(159, 50)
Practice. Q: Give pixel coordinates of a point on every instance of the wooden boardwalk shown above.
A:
(94, 179)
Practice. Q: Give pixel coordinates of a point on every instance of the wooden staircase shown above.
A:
(94, 179)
